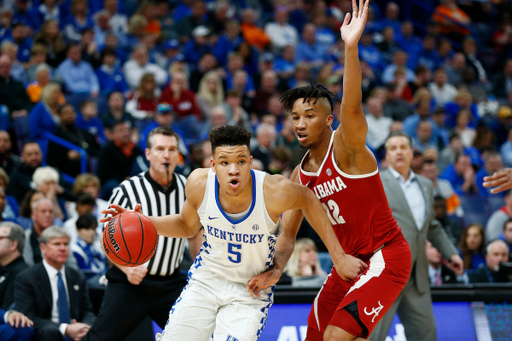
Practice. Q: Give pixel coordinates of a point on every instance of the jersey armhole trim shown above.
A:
(350, 176)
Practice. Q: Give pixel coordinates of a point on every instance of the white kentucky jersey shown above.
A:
(237, 247)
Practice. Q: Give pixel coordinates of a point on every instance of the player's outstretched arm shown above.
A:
(292, 196)
(351, 135)
(501, 181)
(183, 225)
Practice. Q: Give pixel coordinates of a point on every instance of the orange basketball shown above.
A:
(130, 239)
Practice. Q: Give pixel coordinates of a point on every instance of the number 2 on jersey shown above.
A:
(232, 251)
(335, 217)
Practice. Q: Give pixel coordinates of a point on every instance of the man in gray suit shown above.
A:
(410, 197)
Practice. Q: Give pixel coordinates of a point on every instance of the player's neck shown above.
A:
(317, 152)
(236, 204)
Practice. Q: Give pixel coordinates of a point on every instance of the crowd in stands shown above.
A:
(100, 74)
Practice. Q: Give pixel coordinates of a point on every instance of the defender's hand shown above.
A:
(349, 267)
(501, 180)
(351, 30)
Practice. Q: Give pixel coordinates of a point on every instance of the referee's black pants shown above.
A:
(126, 305)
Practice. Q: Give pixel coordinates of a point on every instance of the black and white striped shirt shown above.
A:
(156, 201)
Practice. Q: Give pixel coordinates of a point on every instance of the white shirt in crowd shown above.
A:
(378, 130)
(442, 95)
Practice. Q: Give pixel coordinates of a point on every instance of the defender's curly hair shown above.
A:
(313, 91)
(227, 135)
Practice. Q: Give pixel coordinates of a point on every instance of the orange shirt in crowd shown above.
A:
(34, 91)
(255, 36)
(456, 14)
(153, 27)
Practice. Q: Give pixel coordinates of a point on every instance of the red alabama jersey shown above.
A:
(356, 205)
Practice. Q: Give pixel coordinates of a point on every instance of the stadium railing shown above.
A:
(66, 144)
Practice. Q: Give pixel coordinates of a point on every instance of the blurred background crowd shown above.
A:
(82, 82)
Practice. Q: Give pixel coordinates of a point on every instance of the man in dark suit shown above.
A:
(411, 199)
(54, 296)
(438, 273)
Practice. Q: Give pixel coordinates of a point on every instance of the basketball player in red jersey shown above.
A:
(343, 173)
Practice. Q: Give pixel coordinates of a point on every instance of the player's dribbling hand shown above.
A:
(136, 274)
(349, 267)
(114, 210)
(262, 281)
(502, 180)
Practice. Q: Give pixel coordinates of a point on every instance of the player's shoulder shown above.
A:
(196, 182)
(275, 181)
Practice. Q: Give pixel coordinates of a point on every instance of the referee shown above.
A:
(150, 290)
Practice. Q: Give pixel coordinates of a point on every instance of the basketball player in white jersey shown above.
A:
(240, 211)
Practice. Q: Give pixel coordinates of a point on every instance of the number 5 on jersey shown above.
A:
(334, 216)
(234, 256)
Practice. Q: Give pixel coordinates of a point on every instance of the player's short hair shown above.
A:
(227, 135)
(313, 91)
(166, 131)
(86, 221)
(51, 232)
(398, 133)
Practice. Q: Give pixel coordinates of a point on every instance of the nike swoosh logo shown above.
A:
(212, 218)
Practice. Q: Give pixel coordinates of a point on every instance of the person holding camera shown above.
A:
(495, 269)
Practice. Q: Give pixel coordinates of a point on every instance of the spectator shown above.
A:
(10, 209)
(84, 205)
(24, 44)
(424, 133)
(143, 101)
(110, 75)
(42, 217)
(452, 20)
(502, 85)
(428, 56)
(12, 92)
(265, 142)
(170, 54)
(370, 53)
(197, 46)
(77, 21)
(378, 125)
(506, 150)
(37, 57)
(499, 218)
(506, 235)
(164, 118)
(21, 178)
(451, 225)
(78, 75)
(46, 180)
(442, 188)
(455, 69)
(251, 32)
(441, 134)
(304, 265)
(227, 42)
(442, 91)
(388, 45)
(101, 27)
(88, 120)
(470, 49)
(399, 60)
(47, 10)
(6, 15)
(49, 35)
(461, 175)
(44, 116)
(492, 165)
(196, 18)
(87, 183)
(421, 80)
(117, 158)
(8, 48)
(492, 270)
(235, 114)
(268, 88)
(309, 50)
(139, 65)
(68, 160)
(391, 17)
(500, 125)
(90, 258)
(53, 318)
(206, 64)
(396, 108)
(466, 133)
(118, 21)
(211, 92)
(217, 118)
(42, 78)
(8, 160)
(447, 155)
(180, 97)
(280, 32)
(438, 273)
(472, 245)
(407, 40)
(116, 112)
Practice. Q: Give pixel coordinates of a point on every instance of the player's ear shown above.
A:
(212, 163)
(329, 119)
(250, 162)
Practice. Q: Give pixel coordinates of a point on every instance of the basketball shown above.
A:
(130, 239)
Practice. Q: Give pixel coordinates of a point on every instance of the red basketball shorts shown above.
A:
(357, 306)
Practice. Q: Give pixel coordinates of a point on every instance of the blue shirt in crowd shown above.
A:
(79, 78)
